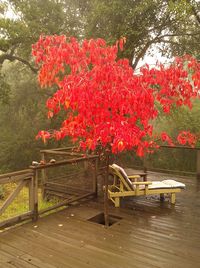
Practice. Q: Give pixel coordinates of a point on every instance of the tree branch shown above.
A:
(158, 39)
(142, 53)
(11, 58)
(170, 42)
(179, 34)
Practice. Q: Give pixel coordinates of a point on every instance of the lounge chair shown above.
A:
(124, 185)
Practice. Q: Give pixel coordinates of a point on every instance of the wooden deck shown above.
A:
(151, 234)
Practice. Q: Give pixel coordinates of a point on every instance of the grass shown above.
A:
(20, 204)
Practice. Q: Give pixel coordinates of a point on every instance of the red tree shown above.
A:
(105, 102)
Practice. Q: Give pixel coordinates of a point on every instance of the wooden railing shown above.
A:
(24, 194)
(184, 161)
(24, 198)
(41, 170)
(17, 181)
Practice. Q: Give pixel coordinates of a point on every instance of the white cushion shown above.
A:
(158, 185)
(174, 184)
(165, 184)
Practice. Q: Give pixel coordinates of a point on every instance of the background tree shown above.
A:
(187, 43)
(30, 18)
(20, 119)
(19, 92)
(173, 25)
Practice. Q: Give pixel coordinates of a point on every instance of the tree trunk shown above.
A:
(106, 216)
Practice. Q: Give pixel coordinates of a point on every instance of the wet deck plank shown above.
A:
(151, 234)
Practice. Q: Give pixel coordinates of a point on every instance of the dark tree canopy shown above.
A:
(172, 24)
(30, 19)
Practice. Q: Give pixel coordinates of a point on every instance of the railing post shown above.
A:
(31, 194)
(145, 166)
(86, 165)
(95, 186)
(198, 165)
(35, 194)
(44, 176)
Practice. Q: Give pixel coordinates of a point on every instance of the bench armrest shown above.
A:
(134, 177)
(142, 183)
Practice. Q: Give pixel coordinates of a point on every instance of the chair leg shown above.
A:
(162, 197)
(173, 198)
(117, 202)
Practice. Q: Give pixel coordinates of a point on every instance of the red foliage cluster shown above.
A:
(166, 138)
(185, 137)
(105, 102)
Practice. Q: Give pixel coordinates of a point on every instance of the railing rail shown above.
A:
(180, 154)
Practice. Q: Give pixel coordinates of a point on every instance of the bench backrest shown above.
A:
(121, 174)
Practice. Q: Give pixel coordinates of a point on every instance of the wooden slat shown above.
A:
(16, 219)
(21, 260)
(150, 234)
(58, 149)
(12, 196)
(180, 147)
(65, 202)
(15, 178)
(62, 187)
(62, 195)
(64, 177)
(52, 152)
(16, 173)
(63, 162)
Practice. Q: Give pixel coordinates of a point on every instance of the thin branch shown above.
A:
(170, 42)
(142, 53)
(158, 39)
(11, 57)
(179, 34)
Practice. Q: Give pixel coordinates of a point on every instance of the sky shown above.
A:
(152, 58)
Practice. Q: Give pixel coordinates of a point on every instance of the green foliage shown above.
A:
(31, 18)
(184, 119)
(4, 90)
(187, 27)
(144, 23)
(21, 120)
(25, 113)
(177, 159)
(173, 24)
